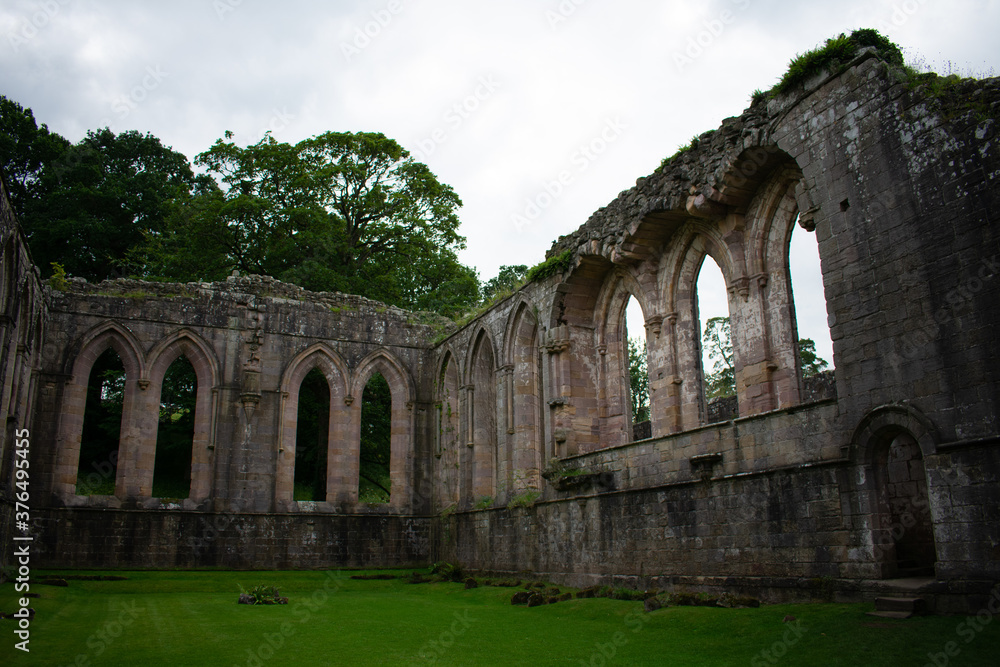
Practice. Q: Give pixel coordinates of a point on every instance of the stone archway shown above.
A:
(906, 546)
(891, 444)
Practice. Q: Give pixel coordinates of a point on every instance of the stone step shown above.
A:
(891, 614)
(908, 605)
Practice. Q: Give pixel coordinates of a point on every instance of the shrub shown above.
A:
(626, 594)
(525, 499)
(58, 279)
(447, 571)
(550, 267)
(261, 594)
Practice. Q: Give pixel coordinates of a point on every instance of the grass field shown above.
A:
(191, 618)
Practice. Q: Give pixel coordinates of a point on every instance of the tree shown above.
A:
(507, 280)
(175, 431)
(638, 374)
(349, 212)
(810, 362)
(721, 381)
(25, 150)
(101, 200)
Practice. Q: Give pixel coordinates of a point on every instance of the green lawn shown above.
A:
(191, 618)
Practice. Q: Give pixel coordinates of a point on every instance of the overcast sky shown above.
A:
(497, 97)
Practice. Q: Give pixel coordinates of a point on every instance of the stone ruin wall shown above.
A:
(22, 316)
(795, 493)
(798, 491)
(251, 342)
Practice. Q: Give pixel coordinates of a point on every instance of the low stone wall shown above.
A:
(772, 534)
(801, 436)
(140, 539)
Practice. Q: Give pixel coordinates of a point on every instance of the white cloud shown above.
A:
(242, 67)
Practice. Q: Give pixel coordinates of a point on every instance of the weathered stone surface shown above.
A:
(887, 464)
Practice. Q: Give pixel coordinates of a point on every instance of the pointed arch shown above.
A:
(744, 174)
(773, 350)
(684, 406)
(890, 447)
(679, 267)
(572, 419)
(523, 455)
(481, 403)
(401, 456)
(334, 369)
(140, 461)
(448, 441)
(614, 394)
(82, 355)
(74, 400)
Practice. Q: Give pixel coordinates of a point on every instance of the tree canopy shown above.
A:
(342, 211)
(348, 212)
(638, 374)
(721, 380)
(507, 280)
(25, 149)
(101, 199)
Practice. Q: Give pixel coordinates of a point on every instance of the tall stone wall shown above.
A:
(251, 342)
(899, 188)
(513, 444)
(22, 315)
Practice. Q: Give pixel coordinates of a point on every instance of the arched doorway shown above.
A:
(905, 545)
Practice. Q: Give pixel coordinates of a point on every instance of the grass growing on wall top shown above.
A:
(834, 55)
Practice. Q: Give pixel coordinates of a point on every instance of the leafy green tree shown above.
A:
(175, 431)
(811, 363)
(25, 150)
(722, 380)
(717, 338)
(348, 212)
(508, 279)
(101, 199)
(638, 379)
(187, 248)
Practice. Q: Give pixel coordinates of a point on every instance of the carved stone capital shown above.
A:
(741, 287)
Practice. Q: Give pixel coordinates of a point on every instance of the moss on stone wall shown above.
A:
(550, 267)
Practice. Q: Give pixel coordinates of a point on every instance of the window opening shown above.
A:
(717, 359)
(175, 431)
(102, 422)
(312, 434)
(376, 433)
